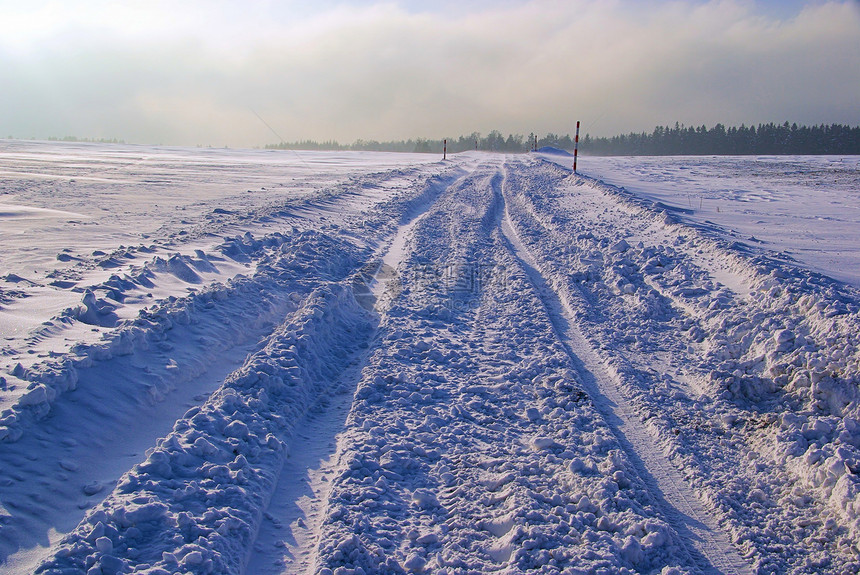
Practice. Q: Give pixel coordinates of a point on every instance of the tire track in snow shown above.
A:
(709, 545)
(290, 533)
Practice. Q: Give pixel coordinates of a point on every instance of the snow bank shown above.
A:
(288, 266)
(196, 502)
(554, 151)
(795, 335)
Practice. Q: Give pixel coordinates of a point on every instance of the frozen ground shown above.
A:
(220, 361)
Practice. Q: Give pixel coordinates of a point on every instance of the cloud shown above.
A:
(150, 72)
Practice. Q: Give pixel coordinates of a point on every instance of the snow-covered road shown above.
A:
(678, 501)
(483, 365)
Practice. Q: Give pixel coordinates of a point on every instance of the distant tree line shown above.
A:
(88, 140)
(495, 141)
(765, 139)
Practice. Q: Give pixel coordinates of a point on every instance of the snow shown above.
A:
(679, 501)
(553, 151)
(239, 361)
(802, 208)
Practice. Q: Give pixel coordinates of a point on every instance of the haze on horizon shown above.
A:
(199, 73)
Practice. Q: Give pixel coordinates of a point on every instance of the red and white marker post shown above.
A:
(575, 146)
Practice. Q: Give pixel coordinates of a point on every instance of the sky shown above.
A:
(216, 72)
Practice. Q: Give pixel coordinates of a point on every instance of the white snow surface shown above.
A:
(239, 361)
(797, 208)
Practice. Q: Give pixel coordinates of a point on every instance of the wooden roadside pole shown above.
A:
(575, 146)
(445, 149)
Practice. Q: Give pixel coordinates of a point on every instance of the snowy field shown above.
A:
(802, 208)
(266, 362)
